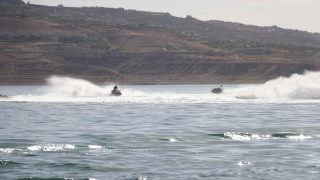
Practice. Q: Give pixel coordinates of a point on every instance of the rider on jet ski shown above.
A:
(116, 91)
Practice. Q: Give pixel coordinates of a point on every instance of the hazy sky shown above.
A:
(289, 14)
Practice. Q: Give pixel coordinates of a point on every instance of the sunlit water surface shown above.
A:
(72, 129)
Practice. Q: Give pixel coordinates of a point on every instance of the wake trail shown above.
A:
(297, 86)
(65, 89)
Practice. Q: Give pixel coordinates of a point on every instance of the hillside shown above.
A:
(135, 47)
(12, 2)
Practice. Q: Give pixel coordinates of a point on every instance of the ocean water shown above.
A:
(73, 129)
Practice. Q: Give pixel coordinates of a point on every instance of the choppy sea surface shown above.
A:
(73, 129)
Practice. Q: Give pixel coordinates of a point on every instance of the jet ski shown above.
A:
(4, 96)
(116, 92)
(217, 90)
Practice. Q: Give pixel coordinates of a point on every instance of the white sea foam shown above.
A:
(304, 86)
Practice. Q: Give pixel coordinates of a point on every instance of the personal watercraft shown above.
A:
(217, 90)
(116, 92)
(4, 96)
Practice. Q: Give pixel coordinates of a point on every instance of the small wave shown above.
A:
(290, 135)
(170, 139)
(138, 178)
(234, 135)
(244, 163)
(95, 147)
(6, 163)
(283, 134)
(51, 147)
(238, 136)
(19, 152)
(246, 136)
(36, 178)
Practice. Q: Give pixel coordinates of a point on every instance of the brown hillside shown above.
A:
(12, 2)
(105, 44)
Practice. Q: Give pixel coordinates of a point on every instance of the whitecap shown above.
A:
(6, 150)
(95, 147)
(301, 137)
(244, 163)
(172, 140)
(237, 136)
(51, 147)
